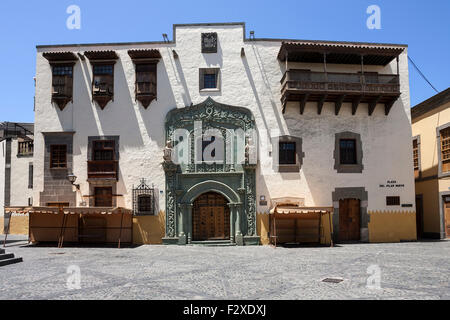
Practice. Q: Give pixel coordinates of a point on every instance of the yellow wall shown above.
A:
(425, 127)
(149, 229)
(19, 225)
(391, 226)
(262, 227)
(325, 237)
(430, 192)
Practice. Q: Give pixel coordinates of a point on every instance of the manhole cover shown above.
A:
(333, 280)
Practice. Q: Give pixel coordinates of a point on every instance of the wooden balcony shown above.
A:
(103, 169)
(25, 148)
(304, 86)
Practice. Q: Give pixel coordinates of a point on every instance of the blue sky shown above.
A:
(423, 25)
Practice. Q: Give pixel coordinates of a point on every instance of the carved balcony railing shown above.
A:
(372, 88)
(103, 169)
(25, 148)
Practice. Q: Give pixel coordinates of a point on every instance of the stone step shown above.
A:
(10, 261)
(214, 243)
(5, 256)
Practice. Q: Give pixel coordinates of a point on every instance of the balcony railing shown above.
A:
(340, 82)
(102, 169)
(372, 88)
(25, 148)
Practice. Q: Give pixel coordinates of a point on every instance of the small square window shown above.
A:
(209, 79)
(392, 201)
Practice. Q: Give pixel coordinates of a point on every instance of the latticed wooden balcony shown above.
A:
(103, 169)
(304, 86)
(355, 87)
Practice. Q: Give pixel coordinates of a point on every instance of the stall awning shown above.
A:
(68, 210)
(294, 205)
(299, 210)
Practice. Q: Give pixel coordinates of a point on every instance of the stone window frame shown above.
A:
(442, 233)
(348, 168)
(298, 150)
(201, 74)
(419, 155)
(438, 141)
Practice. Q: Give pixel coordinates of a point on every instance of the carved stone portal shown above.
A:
(186, 182)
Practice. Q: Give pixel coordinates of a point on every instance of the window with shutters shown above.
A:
(103, 150)
(103, 80)
(62, 84)
(58, 156)
(146, 85)
(146, 79)
(103, 197)
(416, 158)
(445, 150)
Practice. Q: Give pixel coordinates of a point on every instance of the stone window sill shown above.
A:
(288, 168)
(349, 168)
(210, 90)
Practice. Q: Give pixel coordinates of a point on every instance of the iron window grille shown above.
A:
(144, 199)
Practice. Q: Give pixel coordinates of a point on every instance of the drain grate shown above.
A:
(333, 280)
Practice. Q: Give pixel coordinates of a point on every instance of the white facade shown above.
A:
(19, 191)
(253, 82)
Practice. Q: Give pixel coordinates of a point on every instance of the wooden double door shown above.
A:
(349, 220)
(211, 218)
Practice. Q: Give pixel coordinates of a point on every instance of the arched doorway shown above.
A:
(211, 217)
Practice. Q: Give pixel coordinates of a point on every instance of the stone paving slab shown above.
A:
(415, 270)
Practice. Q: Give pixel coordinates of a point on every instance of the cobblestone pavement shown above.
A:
(414, 270)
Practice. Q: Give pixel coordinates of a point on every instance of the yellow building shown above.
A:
(431, 144)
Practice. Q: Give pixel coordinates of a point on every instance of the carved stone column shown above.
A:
(238, 213)
(232, 207)
(183, 214)
(170, 168)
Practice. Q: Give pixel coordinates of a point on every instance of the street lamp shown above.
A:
(72, 178)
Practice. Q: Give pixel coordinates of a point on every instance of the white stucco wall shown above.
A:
(19, 177)
(252, 82)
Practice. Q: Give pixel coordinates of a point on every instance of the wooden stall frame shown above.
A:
(320, 210)
(61, 210)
